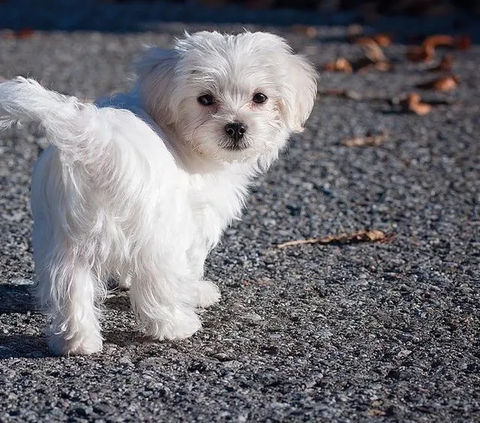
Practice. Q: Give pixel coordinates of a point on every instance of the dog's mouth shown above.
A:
(234, 145)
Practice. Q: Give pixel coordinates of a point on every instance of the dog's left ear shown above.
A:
(300, 88)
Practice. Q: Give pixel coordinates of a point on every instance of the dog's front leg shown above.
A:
(205, 292)
(161, 295)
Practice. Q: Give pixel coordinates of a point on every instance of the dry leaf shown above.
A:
(414, 104)
(439, 41)
(365, 64)
(426, 52)
(372, 50)
(367, 141)
(353, 238)
(21, 34)
(25, 33)
(383, 40)
(340, 65)
(445, 65)
(362, 39)
(374, 56)
(444, 83)
(421, 53)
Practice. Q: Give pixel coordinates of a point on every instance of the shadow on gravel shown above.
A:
(20, 299)
(23, 346)
(16, 299)
(125, 338)
(118, 300)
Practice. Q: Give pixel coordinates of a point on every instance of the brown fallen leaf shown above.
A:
(444, 83)
(367, 141)
(353, 238)
(426, 51)
(339, 65)
(21, 34)
(364, 65)
(362, 39)
(25, 33)
(374, 57)
(383, 40)
(372, 50)
(412, 103)
(446, 64)
(421, 53)
(439, 41)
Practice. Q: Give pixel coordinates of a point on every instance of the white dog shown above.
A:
(140, 187)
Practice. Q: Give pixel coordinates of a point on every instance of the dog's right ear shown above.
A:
(155, 71)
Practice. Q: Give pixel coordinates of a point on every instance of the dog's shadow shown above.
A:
(19, 299)
(16, 299)
(17, 342)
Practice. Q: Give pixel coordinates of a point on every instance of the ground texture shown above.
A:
(336, 333)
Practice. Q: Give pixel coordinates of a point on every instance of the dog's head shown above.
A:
(229, 97)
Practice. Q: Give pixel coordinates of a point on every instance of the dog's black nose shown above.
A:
(235, 130)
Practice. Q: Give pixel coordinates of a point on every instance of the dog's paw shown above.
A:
(179, 324)
(74, 345)
(207, 294)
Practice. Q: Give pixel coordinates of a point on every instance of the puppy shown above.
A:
(141, 186)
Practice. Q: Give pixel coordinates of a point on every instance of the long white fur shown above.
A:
(140, 186)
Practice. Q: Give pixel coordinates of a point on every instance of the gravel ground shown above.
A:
(369, 332)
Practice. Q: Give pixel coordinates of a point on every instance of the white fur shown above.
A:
(141, 186)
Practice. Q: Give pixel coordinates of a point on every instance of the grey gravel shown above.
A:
(369, 332)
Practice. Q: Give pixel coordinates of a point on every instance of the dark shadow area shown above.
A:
(22, 345)
(17, 299)
(20, 299)
(20, 17)
(125, 338)
(118, 300)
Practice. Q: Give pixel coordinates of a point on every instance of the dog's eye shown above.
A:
(206, 100)
(259, 98)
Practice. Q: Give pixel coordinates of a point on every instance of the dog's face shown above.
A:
(230, 98)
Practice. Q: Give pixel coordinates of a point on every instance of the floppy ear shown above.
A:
(300, 91)
(155, 70)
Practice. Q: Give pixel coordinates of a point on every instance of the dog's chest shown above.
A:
(216, 201)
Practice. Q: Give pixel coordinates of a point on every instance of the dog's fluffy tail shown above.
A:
(73, 126)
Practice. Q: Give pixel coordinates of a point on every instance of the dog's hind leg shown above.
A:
(75, 328)
(69, 290)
